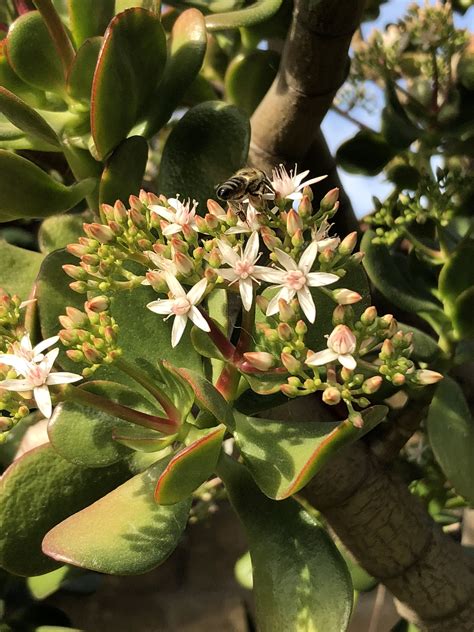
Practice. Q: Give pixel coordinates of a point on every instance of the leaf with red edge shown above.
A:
(89, 18)
(26, 118)
(130, 66)
(283, 456)
(190, 467)
(81, 73)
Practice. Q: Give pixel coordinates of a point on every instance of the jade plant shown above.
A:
(177, 347)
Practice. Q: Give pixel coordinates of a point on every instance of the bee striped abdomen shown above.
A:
(233, 189)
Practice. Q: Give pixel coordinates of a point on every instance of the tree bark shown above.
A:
(392, 536)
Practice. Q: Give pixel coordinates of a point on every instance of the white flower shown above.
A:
(250, 225)
(341, 346)
(24, 353)
(162, 264)
(243, 268)
(38, 376)
(182, 306)
(290, 186)
(321, 237)
(180, 215)
(296, 279)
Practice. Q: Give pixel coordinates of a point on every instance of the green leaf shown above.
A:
(84, 435)
(366, 153)
(361, 580)
(248, 16)
(207, 146)
(81, 73)
(397, 128)
(11, 81)
(243, 571)
(27, 191)
(124, 533)
(391, 280)
(124, 171)
(300, 580)
(37, 492)
(43, 586)
(130, 66)
(58, 231)
(283, 456)
(457, 275)
(249, 76)
(451, 434)
(141, 439)
(26, 118)
(144, 337)
(190, 467)
(18, 269)
(462, 316)
(89, 17)
(33, 55)
(187, 47)
(207, 396)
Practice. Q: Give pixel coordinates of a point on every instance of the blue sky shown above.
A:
(337, 129)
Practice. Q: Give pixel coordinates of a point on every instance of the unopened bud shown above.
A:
(339, 315)
(327, 255)
(120, 212)
(301, 328)
(305, 207)
(293, 222)
(425, 377)
(135, 204)
(285, 332)
(215, 258)
(291, 364)
(348, 244)
(68, 337)
(372, 384)
(77, 250)
(137, 218)
(102, 233)
(260, 359)
(369, 315)
(270, 239)
(214, 208)
(387, 350)
(98, 304)
(211, 221)
(331, 396)
(298, 239)
(356, 420)
(398, 379)
(328, 201)
(262, 303)
(92, 355)
(75, 355)
(285, 311)
(346, 297)
(289, 390)
(78, 318)
(183, 263)
(75, 272)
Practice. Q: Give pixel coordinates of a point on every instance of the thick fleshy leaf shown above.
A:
(42, 586)
(33, 55)
(124, 533)
(283, 456)
(84, 435)
(248, 16)
(27, 191)
(249, 76)
(187, 47)
(37, 492)
(141, 439)
(207, 146)
(462, 314)
(89, 18)
(451, 434)
(10, 80)
(144, 337)
(190, 467)
(457, 275)
(130, 66)
(366, 153)
(58, 231)
(300, 581)
(81, 73)
(390, 279)
(207, 396)
(123, 173)
(26, 118)
(18, 269)
(397, 129)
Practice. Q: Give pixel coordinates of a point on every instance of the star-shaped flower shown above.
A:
(341, 345)
(242, 267)
(162, 265)
(321, 237)
(290, 185)
(24, 353)
(181, 216)
(37, 376)
(296, 279)
(251, 223)
(182, 306)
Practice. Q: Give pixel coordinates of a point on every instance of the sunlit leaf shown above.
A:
(124, 171)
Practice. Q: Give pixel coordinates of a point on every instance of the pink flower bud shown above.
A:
(68, 336)
(342, 340)
(285, 332)
(78, 286)
(348, 244)
(291, 364)
(298, 239)
(286, 313)
(98, 304)
(293, 222)
(369, 316)
(101, 233)
(346, 297)
(289, 390)
(75, 272)
(270, 239)
(356, 420)
(301, 328)
(305, 207)
(262, 303)
(260, 359)
(120, 212)
(75, 355)
(107, 211)
(328, 201)
(78, 318)
(183, 263)
(137, 217)
(91, 354)
(77, 250)
(398, 379)
(372, 384)
(339, 315)
(387, 350)
(135, 203)
(211, 221)
(215, 258)
(331, 395)
(425, 377)
(214, 208)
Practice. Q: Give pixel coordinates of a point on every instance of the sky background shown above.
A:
(337, 129)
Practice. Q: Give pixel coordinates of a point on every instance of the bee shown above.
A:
(246, 183)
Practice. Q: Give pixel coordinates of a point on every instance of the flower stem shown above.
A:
(219, 339)
(57, 31)
(245, 338)
(81, 396)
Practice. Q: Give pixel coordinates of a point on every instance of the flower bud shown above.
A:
(215, 258)
(298, 239)
(214, 208)
(342, 340)
(289, 390)
(339, 315)
(137, 217)
(329, 200)
(348, 244)
(372, 384)
(183, 263)
(305, 207)
(285, 332)
(346, 297)
(262, 303)
(260, 359)
(425, 377)
(356, 419)
(291, 364)
(301, 328)
(77, 250)
(387, 350)
(102, 233)
(211, 221)
(285, 311)
(98, 304)
(92, 355)
(75, 355)
(68, 337)
(369, 316)
(293, 222)
(78, 318)
(398, 379)
(66, 322)
(331, 396)
(270, 239)
(75, 272)
(327, 255)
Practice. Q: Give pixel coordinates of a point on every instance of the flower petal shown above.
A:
(251, 249)
(48, 361)
(174, 285)
(162, 211)
(43, 400)
(198, 319)
(229, 255)
(227, 273)
(179, 325)
(20, 386)
(161, 306)
(318, 279)
(311, 181)
(308, 257)
(172, 229)
(321, 357)
(62, 377)
(273, 304)
(307, 304)
(271, 275)
(286, 261)
(17, 363)
(196, 293)
(347, 361)
(44, 344)
(246, 293)
(25, 343)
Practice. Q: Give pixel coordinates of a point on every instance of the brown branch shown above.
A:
(392, 536)
(285, 126)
